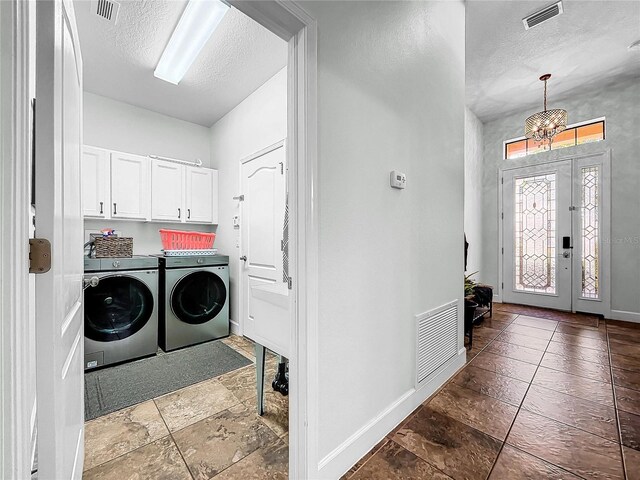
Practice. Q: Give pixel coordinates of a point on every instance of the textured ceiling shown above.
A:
(119, 60)
(584, 48)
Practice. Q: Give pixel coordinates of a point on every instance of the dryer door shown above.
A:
(198, 297)
(116, 308)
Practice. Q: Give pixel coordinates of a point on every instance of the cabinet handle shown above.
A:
(188, 213)
(179, 213)
(101, 209)
(115, 211)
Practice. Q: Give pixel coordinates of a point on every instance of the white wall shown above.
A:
(620, 104)
(473, 151)
(258, 122)
(119, 126)
(390, 96)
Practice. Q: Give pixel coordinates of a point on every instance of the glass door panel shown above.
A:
(535, 233)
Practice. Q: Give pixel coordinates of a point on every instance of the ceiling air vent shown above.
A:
(543, 15)
(106, 9)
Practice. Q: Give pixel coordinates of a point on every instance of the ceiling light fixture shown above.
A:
(198, 22)
(546, 124)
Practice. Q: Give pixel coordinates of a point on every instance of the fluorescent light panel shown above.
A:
(198, 22)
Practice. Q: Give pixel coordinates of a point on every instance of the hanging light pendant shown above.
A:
(546, 124)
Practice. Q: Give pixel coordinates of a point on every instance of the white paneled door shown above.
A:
(556, 217)
(59, 308)
(263, 185)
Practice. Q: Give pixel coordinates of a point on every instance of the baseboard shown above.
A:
(625, 316)
(342, 458)
(235, 328)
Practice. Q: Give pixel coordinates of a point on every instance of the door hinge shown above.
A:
(290, 283)
(39, 255)
(572, 208)
(281, 168)
(240, 198)
(502, 180)
(502, 285)
(502, 215)
(503, 250)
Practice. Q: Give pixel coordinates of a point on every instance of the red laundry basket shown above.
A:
(180, 240)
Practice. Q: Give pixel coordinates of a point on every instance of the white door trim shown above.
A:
(15, 336)
(291, 22)
(606, 231)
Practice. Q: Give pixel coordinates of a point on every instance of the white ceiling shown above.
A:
(584, 48)
(119, 60)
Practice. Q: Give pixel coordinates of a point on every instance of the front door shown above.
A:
(262, 217)
(554, 217)
(59, 300)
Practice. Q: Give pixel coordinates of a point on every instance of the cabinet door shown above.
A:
(202, 195)
(129, 186)
(95, 182)
(167, 191)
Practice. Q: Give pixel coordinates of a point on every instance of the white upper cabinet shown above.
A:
(123, 185)
(129, 186)
(167, 191)
(201, 195)
(95, 182)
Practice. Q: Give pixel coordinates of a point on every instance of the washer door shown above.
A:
(116, 308)
(198, 297)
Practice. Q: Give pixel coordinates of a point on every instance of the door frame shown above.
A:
(605, 231)
(286, 19)
(16, 337)
(248, 158)
(292, 23)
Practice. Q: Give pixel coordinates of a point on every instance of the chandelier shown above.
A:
(546, 124)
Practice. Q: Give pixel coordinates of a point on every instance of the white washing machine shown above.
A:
(195, 305)
(121, 311)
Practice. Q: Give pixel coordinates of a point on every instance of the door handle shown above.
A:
(115, 211)
(90, 282)
(179, 213)
(243, 258)
(101, 209)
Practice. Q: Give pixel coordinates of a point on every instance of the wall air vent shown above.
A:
(543, 15)
(436, 339)
(106, 10)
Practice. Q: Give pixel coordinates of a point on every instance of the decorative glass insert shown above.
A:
(572, 136)
(535, 234)
(590, 232)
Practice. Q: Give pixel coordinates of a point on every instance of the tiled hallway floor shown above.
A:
(544, 395)
(206, 430)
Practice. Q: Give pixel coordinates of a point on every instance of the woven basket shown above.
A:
(109, 247)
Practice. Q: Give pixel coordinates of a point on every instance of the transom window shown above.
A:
(592, 131)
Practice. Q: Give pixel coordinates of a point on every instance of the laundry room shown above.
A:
(186, 286)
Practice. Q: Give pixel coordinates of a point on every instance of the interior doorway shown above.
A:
(555, 233)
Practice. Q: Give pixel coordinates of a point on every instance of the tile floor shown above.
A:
(207, 430)
(544, 395)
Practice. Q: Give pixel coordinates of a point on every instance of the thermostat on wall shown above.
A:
(398, 179)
